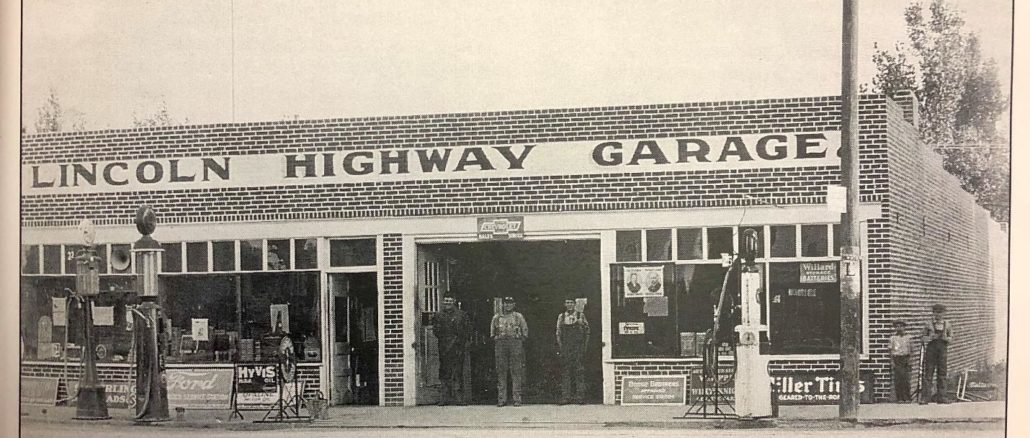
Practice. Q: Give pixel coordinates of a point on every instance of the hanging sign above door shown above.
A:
(500, 228)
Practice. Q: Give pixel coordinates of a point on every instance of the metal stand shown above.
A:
(284, 410)
(713, 401)
(233, 405)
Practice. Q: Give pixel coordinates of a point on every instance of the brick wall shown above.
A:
(392, 378)
(940, 248)
(642, 190)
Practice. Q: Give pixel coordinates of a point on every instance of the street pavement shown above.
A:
(964, 430)
(973, 416)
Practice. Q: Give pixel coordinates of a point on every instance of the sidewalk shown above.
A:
(551, 416)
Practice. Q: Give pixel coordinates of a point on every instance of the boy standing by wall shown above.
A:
(901, 352)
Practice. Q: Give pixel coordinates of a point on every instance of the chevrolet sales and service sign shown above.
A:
(438, 163)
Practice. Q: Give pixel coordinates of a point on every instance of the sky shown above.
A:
(224, 61)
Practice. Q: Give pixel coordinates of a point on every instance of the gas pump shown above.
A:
(92, 401)
(751, 386)
(151, 387)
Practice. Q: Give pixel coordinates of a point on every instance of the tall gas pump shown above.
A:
(92, 401)
(751, 386)
(151, 387)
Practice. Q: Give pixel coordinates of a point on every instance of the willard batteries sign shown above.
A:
(436, 163)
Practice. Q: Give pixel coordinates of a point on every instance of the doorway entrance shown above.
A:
(355, 329)
(539, 275)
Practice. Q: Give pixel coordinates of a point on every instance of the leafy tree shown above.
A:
(159, 118)
(960, 99)
(51, 117)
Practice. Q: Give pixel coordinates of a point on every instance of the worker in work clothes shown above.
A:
(451, 326)
(572, 333)
(508, 329)
(936, 337)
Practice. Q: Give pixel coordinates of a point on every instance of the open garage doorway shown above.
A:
(540, 275)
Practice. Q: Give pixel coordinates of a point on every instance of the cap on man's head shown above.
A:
(509, 300)
(939, 308)
(899, 323)
(448, 298)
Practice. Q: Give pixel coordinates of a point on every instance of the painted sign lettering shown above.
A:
(684, 153)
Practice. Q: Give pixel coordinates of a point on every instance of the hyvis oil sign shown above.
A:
(817, 388)
(687, 153)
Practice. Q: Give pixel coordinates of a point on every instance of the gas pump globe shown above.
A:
(751, 387)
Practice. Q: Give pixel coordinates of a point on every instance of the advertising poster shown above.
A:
(38, 391)
(199, 331)
(120, 395)
(644, 281)
(103, 315)
(654, 390)
(256, 386)
(60, 311)
(817, 388)
(656, 306)
(199, 388)
(726, 386)
(631, 328)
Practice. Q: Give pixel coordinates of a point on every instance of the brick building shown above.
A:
(350, 230)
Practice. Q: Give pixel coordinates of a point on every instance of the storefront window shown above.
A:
(659, 245)
(689, 244)
(352, 252)
(223, 256)
(720, 241)
(627, 246)
(783, 241)
(70, 252)
(52, 259)
(171, 257)
(51, 324)
(278, 255)
(280, 302)
(644, 311)
(29, 259)
(196, 257)
(798, 299)
(306, 253)
(250, 255)
(804, 300)
(200, 298)
(813, 241)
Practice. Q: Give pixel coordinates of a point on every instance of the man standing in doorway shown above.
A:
(508, 329)
(936, 337)
(572, 334)
(451, 327)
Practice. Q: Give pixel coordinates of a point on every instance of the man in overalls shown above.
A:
(936, 337)
(572, 334)
(451, 327)
(508, 329)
